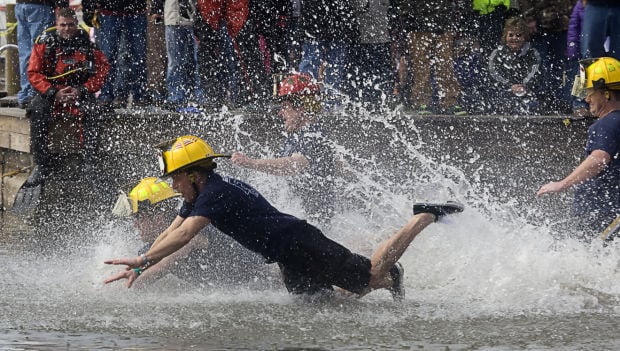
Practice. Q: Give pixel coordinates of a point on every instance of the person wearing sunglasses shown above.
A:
(515, 76)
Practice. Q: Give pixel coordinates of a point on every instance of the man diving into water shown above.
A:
(309, 261)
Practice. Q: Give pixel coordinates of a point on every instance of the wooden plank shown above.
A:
(17, 125)
(20, 142)
(14, 130)
(15, 141)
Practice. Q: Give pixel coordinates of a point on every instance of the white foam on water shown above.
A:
(489, 261)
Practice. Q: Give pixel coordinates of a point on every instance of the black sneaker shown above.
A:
(439, 210)
(398, 282)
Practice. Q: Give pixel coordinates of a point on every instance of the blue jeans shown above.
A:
(335, 53)
(32, 20)
(108, 37)
(182, 78)
(598, 23)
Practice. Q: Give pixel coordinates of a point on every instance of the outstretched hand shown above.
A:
(130, 262)
(128, 273)
(551, 187)
(240, 159)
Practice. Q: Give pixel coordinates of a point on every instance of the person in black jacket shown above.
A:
(330, 27)
(514, 71)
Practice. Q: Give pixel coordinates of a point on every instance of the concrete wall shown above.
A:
(507, 158)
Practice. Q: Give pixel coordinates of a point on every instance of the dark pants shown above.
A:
(41, 116)
(314, 263)
(217, 65)
(371, 67)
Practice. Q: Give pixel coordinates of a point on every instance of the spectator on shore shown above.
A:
(329, 27)
(490, 18)
(117, 18)
(270, 19)
(294, 34)
(514, 72)
(235, 73)
(549, 20)
(601, 19)
(371, 58)
(468, 67)
(573, 53)
(211, 259)
(182, 77)
(431, 28)
(66, 69)
(33, 17)
(307, 157)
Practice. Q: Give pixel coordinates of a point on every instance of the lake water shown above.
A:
(499, 276)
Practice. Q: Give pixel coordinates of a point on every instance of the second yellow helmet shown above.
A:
(145, 195)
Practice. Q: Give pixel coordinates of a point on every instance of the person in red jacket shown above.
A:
(66, 69)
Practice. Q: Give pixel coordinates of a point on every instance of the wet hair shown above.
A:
(516, 24)
(169, 207)
(202, 168)
(66, 12)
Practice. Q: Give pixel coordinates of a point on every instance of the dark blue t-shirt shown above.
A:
(240, 211)
(601, 194)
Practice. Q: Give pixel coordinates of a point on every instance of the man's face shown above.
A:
(515, 40)
(66, 27)
(596, 99)
(181, 183)
(292, 116)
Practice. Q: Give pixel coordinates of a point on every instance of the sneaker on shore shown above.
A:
(455, 110)
(423, 110)
(398, 282)
(439, 210)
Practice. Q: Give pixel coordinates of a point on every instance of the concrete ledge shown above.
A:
(14, 129)
(506, 156)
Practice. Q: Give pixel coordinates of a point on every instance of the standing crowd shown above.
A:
(438, 56)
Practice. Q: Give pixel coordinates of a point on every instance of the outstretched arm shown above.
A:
(590, 167)
(164, 266)
(173, 241)
(289, 165)
(174, 225)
